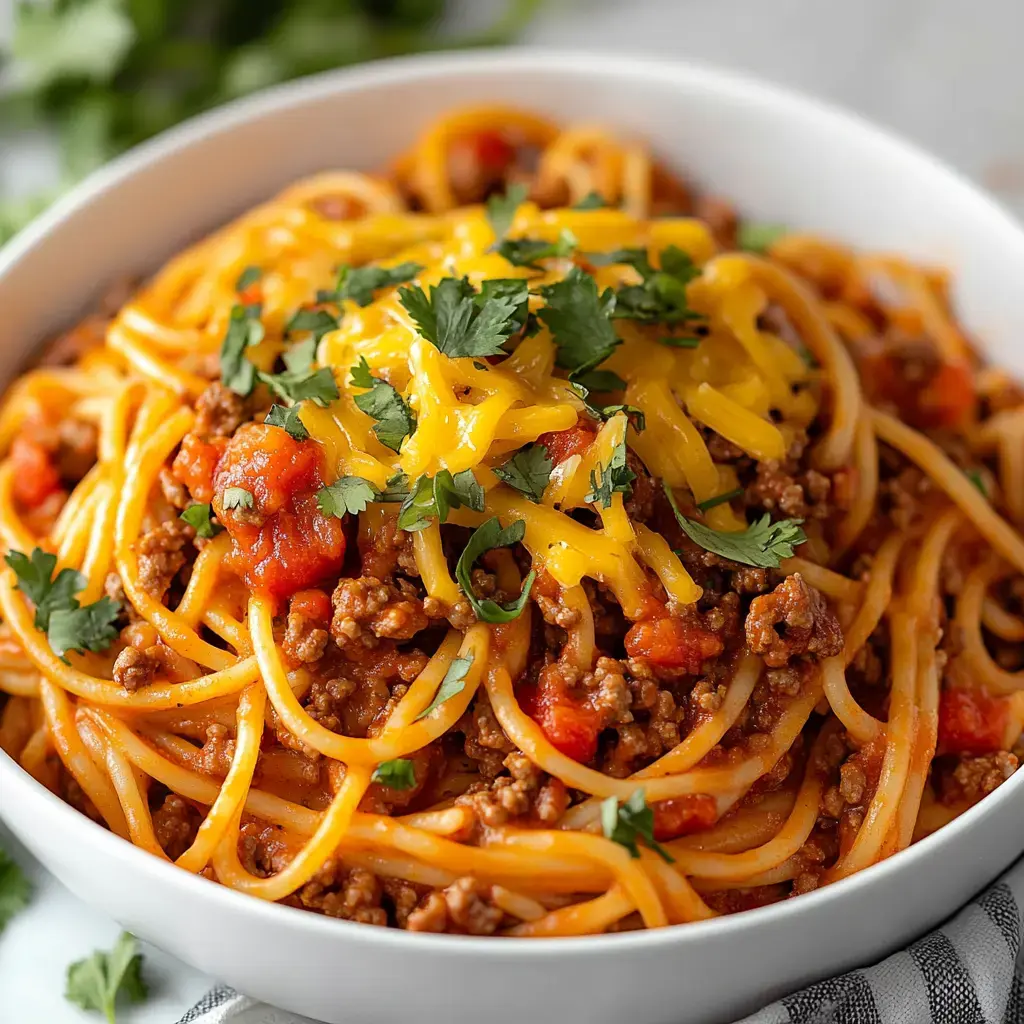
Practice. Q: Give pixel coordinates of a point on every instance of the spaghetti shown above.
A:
(505, 544)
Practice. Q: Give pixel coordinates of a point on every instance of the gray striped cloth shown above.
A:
(969, 971)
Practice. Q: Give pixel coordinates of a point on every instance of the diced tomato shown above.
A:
(569, 724)
(284, 543)
(196, 463)
(313, 605)
(34, 477)
(684, 815)
(491, 151)
(673, 643)
(971, 722)
(574, 441)
(949, 397)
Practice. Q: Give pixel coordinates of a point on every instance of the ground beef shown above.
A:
(366, 609)
(486, 743)
(720, 217)
(304, 641)
(792, 621)
(975, 776)
(640, 504)
(174, 491)
(218, 751)
(76, 449)
(219, 412)
(264, 850)
(175, 823)
(352, 894)
(142, 661)
(525, 792)
(163, 551)
(466, 907)
(796, 495)
(134, 668)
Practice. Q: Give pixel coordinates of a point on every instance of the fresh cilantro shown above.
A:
(661, 298)
(452, 685)
(764, 544)
(382, 402)
(34, 582)
(627, 823)
(360, 283)
(512, 289)
(485, 538)
(317, 321)
(436, 496)
(248, 278)
(347, 494)
(396, 488)
(96, 982)
(299, 382)
(528, 471)
(455, 321)
(579, 321)
(974, 475)
(606, 412)
(599, 380)
(756, 237)
(526, 252)
(501, 210)
(15, 889)
(236, 497)
(244, 330)
(398, 774)
(606, 480)
(198, 517)
(591, 201)
(287, 417)
(719, 499)
(680, 342)
(89, 628)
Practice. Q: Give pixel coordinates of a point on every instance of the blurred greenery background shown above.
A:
(106, 74)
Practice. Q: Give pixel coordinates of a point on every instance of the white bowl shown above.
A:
(782, 158)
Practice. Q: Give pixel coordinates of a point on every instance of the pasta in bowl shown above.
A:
(515, 542)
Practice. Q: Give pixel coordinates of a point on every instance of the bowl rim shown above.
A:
(426, 67)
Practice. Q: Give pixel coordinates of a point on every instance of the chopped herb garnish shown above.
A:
(599, 380)
(512, 289)
(287, 417)
(459, 321)
(360, 283)
(15, 888)
(528, 471)
(452, 685)
(627, 823)
(755, 237)
(317, 321)
(764, 544)
(501, 210)
(398, 774)
(349, 494)
(244, 329)
(96, 982)
(591, 201)
(89, 628)
(382, 402)
(526, 252)
(662, 296)
(681, 342)
(434, 497)
(199, 518)
(579, 320)
(486, 538)
(299, 382)
(719, 499)
(974, 475)
(248, 278)
(236, 497)
(396, 489)
(606, 412)
(606, 480)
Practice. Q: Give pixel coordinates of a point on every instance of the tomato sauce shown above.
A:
(673, 643)
(195, 464)
(971, 722)
(569, 723)
(34, 477)
(574, 441)
(683, 815)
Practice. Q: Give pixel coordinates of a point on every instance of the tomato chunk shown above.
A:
(673, 643)
(284, 543)
(568, 722)
(34, 477)
(684, 815)
(195, 464)
(492, 152)
(574, 441)
(949, 397)
(314, 605)
(971, 722)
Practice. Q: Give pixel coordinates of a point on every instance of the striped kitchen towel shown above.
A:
(969, 971)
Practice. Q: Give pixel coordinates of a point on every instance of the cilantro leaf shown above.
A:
(579, 321)
(236, 497)
(299, 382)
(974, 475)
(396, 488)
(347, 494)
(627, 823)
(452, 685)
(501, 210)
(248, 278)
(317, 321)
(89, 628)
(662, 296)
(15, 888)
(758, 237)
(719, 499)
(606, 480)
(599, 380)
(606, 412)
(681, 341)
(397, 774)
(244, 329)
(485, 538)
(591, 201)
(525, 252)
(395, 418)
(198, 517)
(455, 321)
(34, 582)
(764, 544)
(528, 471)
(287, 417)
(513, 289)
(436, 496)
(360, 283)
(96, 982)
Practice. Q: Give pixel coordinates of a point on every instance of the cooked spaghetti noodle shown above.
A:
(501, 545)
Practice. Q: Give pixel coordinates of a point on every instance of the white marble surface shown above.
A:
(946, 73)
